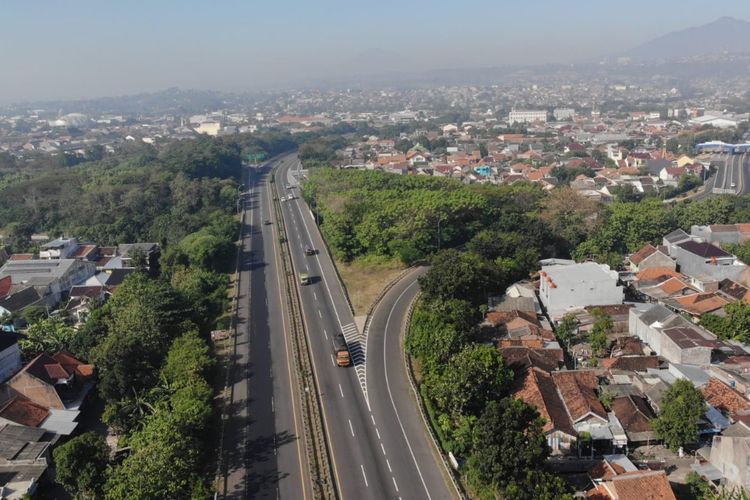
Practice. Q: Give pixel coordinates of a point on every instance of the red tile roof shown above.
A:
(82, 251)
(5, 285)
(641, 254)
(497, 318)
(631, 363)
(657, 273)
(674, 286)
(24, 411)
(700, 303)
(642, 485)
(524, 356)
(724, 398)
(538, 389)
(634, 413)
(21, 256)
(72, 365)
(578, 391)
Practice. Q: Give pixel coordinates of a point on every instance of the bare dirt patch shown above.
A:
(364, 280)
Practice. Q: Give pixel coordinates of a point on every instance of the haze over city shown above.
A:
(415, 250)
(53, 50)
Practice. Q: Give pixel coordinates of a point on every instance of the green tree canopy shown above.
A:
(80, 465)
(734, 325)
(476, 375)
(681, 408)
(508, 442)
(457, 275)
(145, 315)
(49, 335)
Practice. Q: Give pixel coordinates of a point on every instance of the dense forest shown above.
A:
(137, 194)
(376, 214)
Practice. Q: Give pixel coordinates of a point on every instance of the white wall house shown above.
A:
(563, 288)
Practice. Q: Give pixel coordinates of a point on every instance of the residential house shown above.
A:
(634, 414)
(19, 410)
(734, 290)
(697, 304)
(149, 251)
(24, 458)
(82, 299)
(673, 239)
(50, 278)
(671, 175)
(705, 259)
(687, 345)
(563, 288)
(649, 257)
(671, 336)
(725, 399)
(539, 390)
(632, 363)
(636, 485)
(578, 391)
(521, 357)
(52, 381)
(722, 233)
(729, 456)
(16, 301)
(10, 355)
(60, 248)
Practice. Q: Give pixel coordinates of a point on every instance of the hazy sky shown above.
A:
(79, 49)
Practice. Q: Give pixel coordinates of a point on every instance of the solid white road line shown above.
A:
(388, 386)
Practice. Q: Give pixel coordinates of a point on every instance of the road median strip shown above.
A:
(316, 444)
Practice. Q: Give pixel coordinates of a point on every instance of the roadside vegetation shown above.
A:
(480, 239)
(150, 340)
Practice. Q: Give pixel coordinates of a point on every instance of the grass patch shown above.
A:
(365, 279)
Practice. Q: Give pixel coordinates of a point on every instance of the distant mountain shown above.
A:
(726, 34)
(374, 61)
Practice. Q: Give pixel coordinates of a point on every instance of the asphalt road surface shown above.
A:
(265, 456)
(379, 447)
(732, 175)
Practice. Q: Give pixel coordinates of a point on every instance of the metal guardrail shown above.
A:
(316, 443)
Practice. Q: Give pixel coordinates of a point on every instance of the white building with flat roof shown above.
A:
(563, 288)
(527, 116)
(562, 114)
